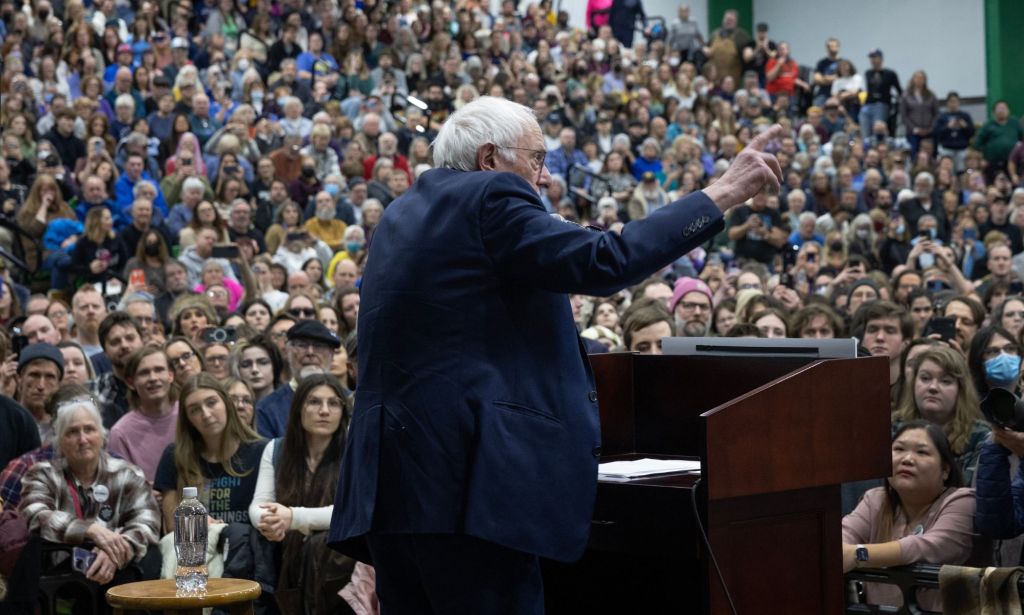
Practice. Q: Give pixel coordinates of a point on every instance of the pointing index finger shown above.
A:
(759, 142)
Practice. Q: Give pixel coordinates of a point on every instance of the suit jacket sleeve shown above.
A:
(537, 249)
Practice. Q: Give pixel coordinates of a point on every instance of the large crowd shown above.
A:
(189, 191)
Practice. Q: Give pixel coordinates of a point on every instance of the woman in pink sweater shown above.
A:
(920, 515)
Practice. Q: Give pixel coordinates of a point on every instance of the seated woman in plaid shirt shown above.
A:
(84, 494)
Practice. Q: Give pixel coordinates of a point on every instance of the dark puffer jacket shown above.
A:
(1000, 511)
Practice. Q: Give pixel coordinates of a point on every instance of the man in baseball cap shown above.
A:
(691, 304)
(310, 348)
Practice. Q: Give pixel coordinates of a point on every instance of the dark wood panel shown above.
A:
(824, 424)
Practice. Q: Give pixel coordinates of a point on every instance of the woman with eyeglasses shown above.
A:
(184, 358)
(940, 390)
(242, 396)
(293, 502)
(1010, 315)
(214, 450)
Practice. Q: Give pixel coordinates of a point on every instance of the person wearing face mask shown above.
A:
(324, 225)
(307, 185)
(994, 360)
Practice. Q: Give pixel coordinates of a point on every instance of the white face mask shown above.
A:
(863, 233)
(243, 65)
(598, 56)
(673, 62)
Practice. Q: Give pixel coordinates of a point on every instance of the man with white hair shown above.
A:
(293, 123)
(201, 123)
(462, 424)
(925, 202)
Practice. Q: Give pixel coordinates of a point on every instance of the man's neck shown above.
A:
(155, 408)
(88, 338)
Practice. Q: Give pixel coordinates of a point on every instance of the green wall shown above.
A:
(1004, 54)
(717, 8)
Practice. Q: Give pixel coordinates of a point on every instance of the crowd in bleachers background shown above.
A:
(199, 178)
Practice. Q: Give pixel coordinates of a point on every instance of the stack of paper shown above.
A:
(641, 468)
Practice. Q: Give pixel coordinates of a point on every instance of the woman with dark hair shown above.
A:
(994, 360)
(347, 304)
(206, 216)
(170, 149)
(920, 515)
(213, 450)
(294, 497)
(184, 358)
(315, 270)
(258, 363)
(257, 314)
(150, 257)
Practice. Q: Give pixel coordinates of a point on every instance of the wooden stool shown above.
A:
(236, 594)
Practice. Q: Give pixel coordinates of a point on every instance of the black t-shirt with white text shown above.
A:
(226, 497)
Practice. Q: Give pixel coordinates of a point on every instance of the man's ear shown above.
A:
(485, 157)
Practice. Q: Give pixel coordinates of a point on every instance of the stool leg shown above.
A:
(244, 608)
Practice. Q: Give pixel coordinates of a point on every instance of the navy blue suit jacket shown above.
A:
(476, 411)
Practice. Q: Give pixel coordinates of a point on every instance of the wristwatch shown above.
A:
(862, 554)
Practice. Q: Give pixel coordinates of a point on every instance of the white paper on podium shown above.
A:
(640, 468)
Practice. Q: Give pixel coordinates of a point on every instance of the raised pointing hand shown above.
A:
(750, 172)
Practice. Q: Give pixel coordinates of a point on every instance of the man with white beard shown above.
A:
(691, 306)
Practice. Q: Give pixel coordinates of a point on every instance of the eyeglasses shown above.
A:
(994, 351)
(182, 359)
(300, 312)
(333, 403)
(749, 285)
(308, 345)
(218, 359)
(690, 306)
(536, 161)
(241, 400)
(278, 335)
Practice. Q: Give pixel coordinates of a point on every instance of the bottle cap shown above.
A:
(190, 492)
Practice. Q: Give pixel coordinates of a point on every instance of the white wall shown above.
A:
(946, 38)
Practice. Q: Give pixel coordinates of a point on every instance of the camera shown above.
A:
(1003, 409)
(220, 335)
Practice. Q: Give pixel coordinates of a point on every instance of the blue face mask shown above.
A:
(901, 229)
(332, 189)
(1003, 371)
(353, 246)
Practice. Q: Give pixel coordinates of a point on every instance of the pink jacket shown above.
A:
(946, 537)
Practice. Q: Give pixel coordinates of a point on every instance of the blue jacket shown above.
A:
(272, 412)
(476, 411)
(1000, 511)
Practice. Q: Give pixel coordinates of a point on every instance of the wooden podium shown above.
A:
(776, 438)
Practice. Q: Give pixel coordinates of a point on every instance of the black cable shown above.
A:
(707, 545)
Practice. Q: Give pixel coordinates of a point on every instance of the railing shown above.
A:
(909, 579)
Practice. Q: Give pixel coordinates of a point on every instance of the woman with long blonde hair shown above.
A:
(213, 450)
(44, 204)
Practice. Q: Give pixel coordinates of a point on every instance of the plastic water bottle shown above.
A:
(190, 523)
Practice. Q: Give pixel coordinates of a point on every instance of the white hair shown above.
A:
(124, 100)
(925, 176)
(808, 216)
(65, 411)
(193, 183)
(486, 120)
(905, 195)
